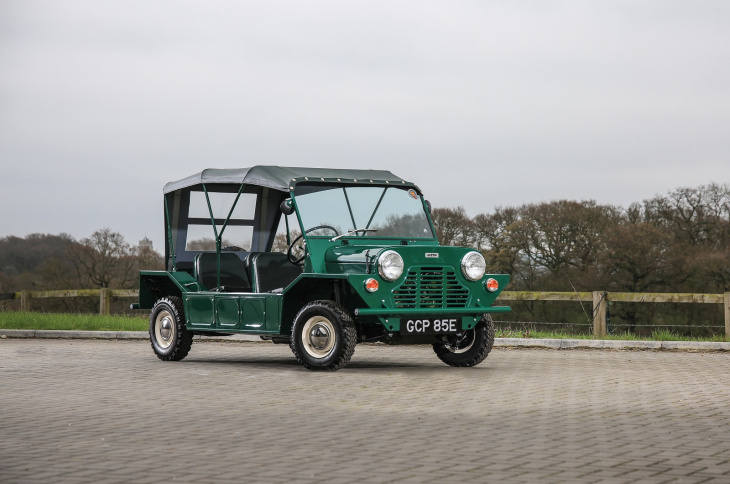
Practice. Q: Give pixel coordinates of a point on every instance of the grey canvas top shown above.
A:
(284, 178)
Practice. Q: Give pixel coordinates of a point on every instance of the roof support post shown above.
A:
(219, 236)
(170, 241)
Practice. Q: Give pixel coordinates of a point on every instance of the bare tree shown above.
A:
(453, 226)
(562, 233)
(492, 236)
(692, 214)
(104, 259)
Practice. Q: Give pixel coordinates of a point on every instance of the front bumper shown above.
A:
(390, 318)
(398, 312)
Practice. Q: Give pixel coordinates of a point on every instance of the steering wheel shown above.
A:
(290, 254)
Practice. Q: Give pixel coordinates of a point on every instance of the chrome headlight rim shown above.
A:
(386, 268)
(469, 270)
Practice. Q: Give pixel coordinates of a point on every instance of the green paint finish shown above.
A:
(273, 312)
(429, 282)
(316, 247)
(233, 313)
(227, 311)
(199, 310)
(429, 311)
(254, 312)
(156, 284)
(431, 285)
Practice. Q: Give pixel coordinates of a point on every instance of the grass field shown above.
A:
(95, 322)
(662, 335)
(77, 322)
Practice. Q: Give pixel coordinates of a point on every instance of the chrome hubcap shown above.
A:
(318, 336)
(164, 329)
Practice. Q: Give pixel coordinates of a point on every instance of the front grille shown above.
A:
(430, 287)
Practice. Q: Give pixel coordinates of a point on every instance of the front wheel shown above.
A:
(323, 336)
(171, 341)
(468, 349)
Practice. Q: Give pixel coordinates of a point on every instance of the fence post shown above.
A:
(599, 314)
(105, 300)
(25, 301)
(727, 316)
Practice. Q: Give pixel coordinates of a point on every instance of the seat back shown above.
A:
(272, 270)
(233, 272)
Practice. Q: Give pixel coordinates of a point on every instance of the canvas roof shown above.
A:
(282, 177)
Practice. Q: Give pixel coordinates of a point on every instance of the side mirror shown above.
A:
(287, 207)
(428, 206)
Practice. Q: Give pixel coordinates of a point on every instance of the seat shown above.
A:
(233, 272)
(272, 271)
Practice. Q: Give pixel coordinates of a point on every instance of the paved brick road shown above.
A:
(109, 411)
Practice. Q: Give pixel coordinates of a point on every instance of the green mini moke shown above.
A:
(356, 259)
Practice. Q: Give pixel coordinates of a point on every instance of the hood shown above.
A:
(356, 258)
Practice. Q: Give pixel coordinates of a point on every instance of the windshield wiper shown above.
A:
(353, 231)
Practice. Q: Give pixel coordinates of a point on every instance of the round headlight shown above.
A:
(390, 265)
(473, 266)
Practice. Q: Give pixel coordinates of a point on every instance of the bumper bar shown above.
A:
(428, 311)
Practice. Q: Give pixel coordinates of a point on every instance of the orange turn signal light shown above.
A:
(371, 285)
(491, 284)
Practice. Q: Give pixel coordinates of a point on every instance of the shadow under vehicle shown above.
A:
(361, 263)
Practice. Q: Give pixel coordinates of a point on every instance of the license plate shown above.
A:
(430, 325)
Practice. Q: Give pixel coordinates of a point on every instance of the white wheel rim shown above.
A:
(164, 329)
(318, 337)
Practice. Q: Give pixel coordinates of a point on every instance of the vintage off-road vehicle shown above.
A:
(360, 263)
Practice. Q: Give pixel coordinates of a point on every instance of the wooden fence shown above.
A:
(105, 296)
(599, 299)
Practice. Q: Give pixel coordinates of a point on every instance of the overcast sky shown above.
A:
(480, 103)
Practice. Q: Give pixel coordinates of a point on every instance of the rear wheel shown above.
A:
(171, 341)
(323, 336)
(469, 348)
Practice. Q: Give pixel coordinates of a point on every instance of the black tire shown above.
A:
(472, 349)
(323, 336)
(171, 340)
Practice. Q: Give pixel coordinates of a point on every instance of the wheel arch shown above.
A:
(314, 287)
(154, 285)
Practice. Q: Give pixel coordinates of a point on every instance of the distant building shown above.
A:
(145, 244)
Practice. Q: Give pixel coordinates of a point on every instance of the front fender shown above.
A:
(154, 285)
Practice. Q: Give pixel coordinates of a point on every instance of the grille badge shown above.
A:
(432, 255)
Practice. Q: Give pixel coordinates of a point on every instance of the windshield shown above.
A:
(384, 211)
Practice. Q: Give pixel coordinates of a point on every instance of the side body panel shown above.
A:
(209, 311)
(233, 312)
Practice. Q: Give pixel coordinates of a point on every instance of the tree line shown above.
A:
(40, 262)
(678, 242)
